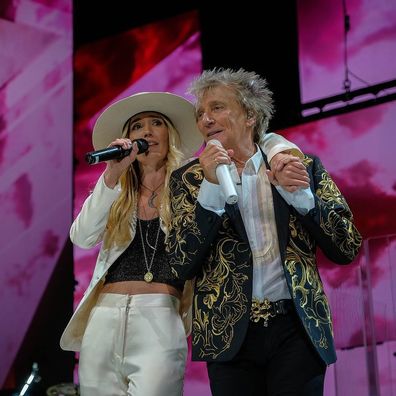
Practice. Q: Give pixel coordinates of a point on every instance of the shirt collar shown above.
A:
(256, 159)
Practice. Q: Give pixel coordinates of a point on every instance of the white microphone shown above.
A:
(225, 180)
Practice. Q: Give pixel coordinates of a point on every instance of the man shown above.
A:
(261, 319)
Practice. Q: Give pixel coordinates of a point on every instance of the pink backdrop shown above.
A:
(35, 158)
(370, 45)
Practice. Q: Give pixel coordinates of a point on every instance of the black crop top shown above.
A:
(131, 264)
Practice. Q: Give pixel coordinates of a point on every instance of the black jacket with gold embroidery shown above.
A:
(215, 251)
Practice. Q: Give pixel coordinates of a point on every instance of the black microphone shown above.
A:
(115, 152)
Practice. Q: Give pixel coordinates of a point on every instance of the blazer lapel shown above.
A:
(236, 218)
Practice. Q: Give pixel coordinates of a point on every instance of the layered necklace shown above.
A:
(148, 276)
(238, 163)
(153, 195)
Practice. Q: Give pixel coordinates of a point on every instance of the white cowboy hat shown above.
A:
(178, 110)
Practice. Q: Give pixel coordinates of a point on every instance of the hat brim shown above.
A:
(179, 110)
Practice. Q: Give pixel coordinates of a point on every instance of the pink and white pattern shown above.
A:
(35, 158)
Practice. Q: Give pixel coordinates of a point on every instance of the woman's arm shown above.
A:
(88, 228)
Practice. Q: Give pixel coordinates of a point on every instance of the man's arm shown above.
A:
(89, 226)
(330, 222)
(192, 228)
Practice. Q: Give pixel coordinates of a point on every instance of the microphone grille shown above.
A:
(142, 145)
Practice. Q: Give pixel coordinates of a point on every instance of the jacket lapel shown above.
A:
(236, 219)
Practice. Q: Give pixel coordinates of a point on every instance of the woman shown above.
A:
(127, 327)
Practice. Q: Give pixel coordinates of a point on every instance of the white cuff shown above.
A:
(211, 197)
(302, 200)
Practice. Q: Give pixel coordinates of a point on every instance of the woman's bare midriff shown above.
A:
(140, 287)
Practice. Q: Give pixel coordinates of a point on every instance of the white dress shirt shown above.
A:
(257, 211)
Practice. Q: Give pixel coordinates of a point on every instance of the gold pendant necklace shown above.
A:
(148, 276)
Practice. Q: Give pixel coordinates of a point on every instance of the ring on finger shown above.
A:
(216, 161)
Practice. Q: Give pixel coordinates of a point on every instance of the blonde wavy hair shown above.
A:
(118, 224)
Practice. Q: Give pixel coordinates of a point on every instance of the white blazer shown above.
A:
(88, 229)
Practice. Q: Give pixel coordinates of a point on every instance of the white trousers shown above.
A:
(133, 345)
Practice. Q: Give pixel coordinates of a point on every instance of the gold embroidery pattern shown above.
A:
(185, 210)
(298, 232)
(308, 291)
(219, 300)
(220, 289)
(338, 222)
